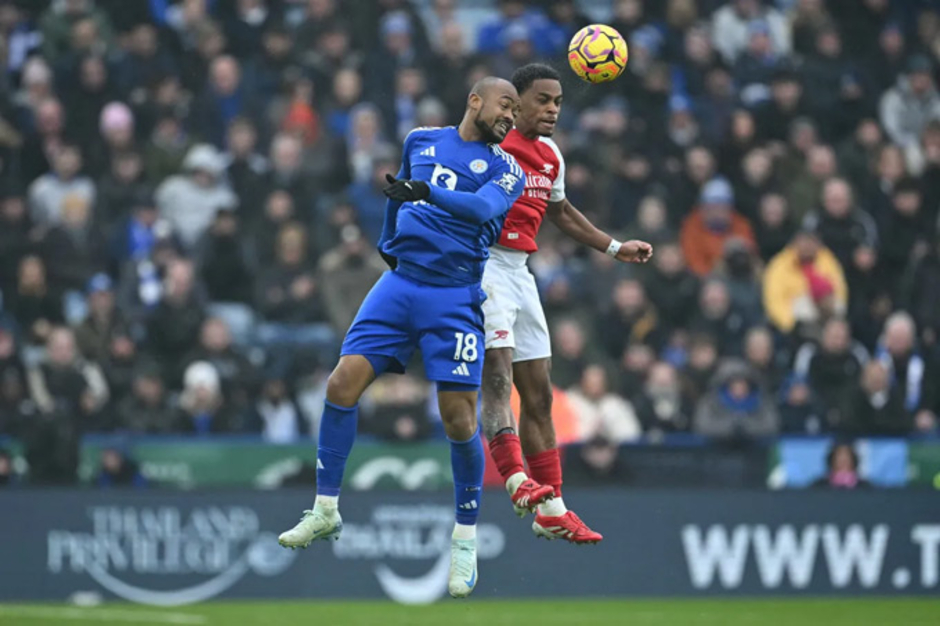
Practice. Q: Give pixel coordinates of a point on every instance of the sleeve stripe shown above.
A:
(514, 167)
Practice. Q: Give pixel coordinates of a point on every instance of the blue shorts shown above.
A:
(401, 314)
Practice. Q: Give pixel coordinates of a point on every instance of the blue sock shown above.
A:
(337, 434)
(467, 462)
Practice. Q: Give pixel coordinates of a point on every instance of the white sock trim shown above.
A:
(465, 531)
(513, 482)
(326, 502)
(553, 508)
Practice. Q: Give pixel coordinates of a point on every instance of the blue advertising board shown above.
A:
(170, 548)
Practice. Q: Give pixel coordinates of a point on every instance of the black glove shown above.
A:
(406, 190)
(391, 261)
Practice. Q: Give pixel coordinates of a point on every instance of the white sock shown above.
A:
(513, 482)
(330, 503)
(553, 508)
(464, 531)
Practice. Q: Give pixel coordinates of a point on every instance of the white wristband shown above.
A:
(613, 248)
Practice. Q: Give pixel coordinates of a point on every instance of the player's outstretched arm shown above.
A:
(489, 202)
(573, 223)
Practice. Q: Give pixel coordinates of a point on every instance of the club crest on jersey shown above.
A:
(548, 168)
(478, 166)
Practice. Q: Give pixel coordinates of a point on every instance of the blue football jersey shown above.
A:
(430, 242)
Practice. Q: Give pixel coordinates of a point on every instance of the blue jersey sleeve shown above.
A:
(491, 200)
(392, 206)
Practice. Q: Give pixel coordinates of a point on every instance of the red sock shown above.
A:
(545, 469)
(507, 454)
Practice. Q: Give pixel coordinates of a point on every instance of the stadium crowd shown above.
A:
(190, 194)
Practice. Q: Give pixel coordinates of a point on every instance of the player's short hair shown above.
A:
(523, 77)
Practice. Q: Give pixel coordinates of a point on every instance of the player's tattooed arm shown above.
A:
(576, 225)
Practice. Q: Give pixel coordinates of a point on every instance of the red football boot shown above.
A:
(528, 495)
(568, 527)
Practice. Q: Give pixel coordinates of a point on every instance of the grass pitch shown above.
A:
(716, 612)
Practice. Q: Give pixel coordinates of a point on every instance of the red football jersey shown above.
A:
(544, 169)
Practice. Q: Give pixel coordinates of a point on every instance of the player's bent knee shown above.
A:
(347, 381)
(458, 413)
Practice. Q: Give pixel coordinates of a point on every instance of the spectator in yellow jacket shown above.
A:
(804, 284)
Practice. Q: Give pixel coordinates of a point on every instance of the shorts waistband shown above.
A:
(508, 257)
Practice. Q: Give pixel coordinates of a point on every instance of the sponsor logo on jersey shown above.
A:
(428, 152)
(461, 370)
(478, 166)
(508, 182)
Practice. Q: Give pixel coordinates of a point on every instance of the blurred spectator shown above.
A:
(173, 326)
(874, 406)
(399, 410)
(74, 247)
(739, 270)
(570, 352)
(715, 317)
(144, 61)
(805, 182)
(908, 106)
(348, 273)
(736, 407)
(58, 22)
(672, 288)
(842, 470)
(276, 412)
(761, 355)
(279, 210)
(50, 193)
(42, 145)
(842, 226)
(595, 463)
(600, 412)
(832, 368)
(235, 372)
(923, 294)
(800, 409)
(223, 259)
(189, 201)
(632, 319)
(732, 23)
(93, 336)
(710, 225)
(663, 407)
(35, 305)
(908, 370)
(66, 385)
(287, 172)
(225, 97)
(203, 409)
(290, 297)
(905, 228)
(774, 226)
(120, 188)
(118, 470)
(803, 284)
(495, 35)
(168, 147)
(148, 408)
(246, 168)
(14, 237)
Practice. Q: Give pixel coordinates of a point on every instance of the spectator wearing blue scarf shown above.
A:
(736, 407)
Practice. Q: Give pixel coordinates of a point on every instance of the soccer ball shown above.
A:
(597, 53)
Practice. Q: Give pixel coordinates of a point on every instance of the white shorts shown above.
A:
(513, 316)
